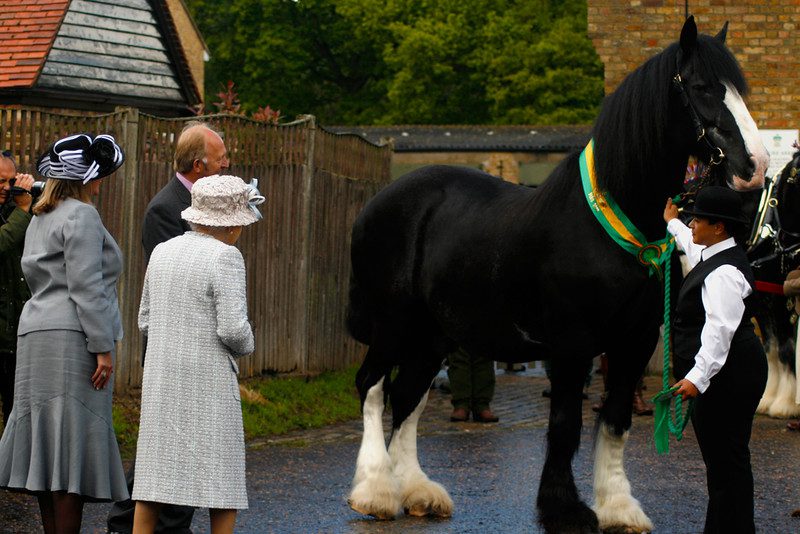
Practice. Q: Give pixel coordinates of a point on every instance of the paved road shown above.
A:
(299, 483)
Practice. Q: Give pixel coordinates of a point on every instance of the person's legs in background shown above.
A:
(459, 372)
(483, 380)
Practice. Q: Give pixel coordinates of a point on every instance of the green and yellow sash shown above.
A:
(608, 213)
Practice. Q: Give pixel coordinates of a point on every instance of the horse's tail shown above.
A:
(358, 320)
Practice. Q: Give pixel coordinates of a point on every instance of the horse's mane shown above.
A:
(630, 134)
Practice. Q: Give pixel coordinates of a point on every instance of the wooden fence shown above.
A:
(297, 257)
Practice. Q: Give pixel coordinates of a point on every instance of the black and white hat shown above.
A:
(81, 157)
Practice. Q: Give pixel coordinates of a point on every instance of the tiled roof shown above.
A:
(27, 30)
(474, 138)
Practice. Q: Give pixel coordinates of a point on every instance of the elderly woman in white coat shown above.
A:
(59, 443)
(191, 442)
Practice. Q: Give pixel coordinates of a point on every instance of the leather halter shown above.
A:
(717, 155)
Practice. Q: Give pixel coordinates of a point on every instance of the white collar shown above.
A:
(717, 247)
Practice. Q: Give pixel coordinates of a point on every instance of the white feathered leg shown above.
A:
(773, 379)
(420, 495)
(614, 505)
(376, 491)
(784, 405)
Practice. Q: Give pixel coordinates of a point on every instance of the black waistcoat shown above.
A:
(690, 315)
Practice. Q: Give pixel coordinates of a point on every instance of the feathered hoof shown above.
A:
(427, 498)
(784, 409)
(623, 530)
(764, 404)
(376, 500)
(623, 515)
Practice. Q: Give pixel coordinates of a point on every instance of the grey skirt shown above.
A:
(60, 435)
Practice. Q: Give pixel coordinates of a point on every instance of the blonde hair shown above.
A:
(191, 146)
(56, 190)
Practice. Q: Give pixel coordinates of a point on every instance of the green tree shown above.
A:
(406, 61)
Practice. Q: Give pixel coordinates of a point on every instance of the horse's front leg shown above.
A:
(560, 508)
(376, 491)
(420, 495)
(617, 510)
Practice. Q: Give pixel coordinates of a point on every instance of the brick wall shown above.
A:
(763, 34)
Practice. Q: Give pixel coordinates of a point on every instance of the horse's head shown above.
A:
(710, 86)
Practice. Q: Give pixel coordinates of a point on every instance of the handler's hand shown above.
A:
(686, 390)
(670, 211)
(103, 372)
(23, 200)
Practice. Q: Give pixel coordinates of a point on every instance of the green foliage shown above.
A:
(299, 403)
(126, 427)
(406, 61)
(273, 406)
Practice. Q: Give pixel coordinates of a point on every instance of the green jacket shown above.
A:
(13, 288)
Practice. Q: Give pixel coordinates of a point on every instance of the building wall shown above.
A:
(763, 34)
(191, 41)
(528, 168)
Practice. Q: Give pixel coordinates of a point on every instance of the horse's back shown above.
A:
(399, 229)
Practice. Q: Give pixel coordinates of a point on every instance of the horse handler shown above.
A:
(717, 353)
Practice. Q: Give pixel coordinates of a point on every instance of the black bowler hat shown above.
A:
(717, 203)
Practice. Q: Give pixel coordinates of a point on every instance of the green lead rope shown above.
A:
(667, 421)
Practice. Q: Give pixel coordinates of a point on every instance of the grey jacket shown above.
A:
(72, 264)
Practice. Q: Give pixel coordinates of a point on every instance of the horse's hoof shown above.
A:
(366, 509)
(573, 518)
(427, 498)
(376, 497)
(623, 530)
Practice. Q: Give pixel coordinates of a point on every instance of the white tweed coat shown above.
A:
(194, 312)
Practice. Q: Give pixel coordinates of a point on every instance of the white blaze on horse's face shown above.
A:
(749, 131)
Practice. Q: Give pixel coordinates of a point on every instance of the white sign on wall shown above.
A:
(779, 144)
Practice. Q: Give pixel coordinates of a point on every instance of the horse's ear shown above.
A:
(722, 33)
(689, 36)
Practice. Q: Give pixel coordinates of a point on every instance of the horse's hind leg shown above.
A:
(420, 495)
(375, 489)
(773, 378)
(560, 508)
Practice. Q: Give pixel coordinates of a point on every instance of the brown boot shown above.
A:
(459, 415)
(640, 406)
(484, 416)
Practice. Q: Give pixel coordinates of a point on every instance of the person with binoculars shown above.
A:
(15, 207)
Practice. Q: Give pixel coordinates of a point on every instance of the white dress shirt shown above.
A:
(723, 294)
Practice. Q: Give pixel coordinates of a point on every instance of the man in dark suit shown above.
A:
(200, 152)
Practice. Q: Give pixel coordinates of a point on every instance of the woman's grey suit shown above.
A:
(60, 434)
(194, 312)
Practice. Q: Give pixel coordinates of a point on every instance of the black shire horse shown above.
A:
(446, 257)
(774, 251)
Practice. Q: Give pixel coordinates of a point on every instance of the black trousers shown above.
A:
(8, 366)
(723, 420)
(172, 519)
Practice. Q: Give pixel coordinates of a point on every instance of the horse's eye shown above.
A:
(701, 87)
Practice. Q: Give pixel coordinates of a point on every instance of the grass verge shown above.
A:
(271, 406)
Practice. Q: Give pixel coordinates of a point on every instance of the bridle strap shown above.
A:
(717, 155)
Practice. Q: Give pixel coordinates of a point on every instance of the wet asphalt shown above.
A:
(299, 483)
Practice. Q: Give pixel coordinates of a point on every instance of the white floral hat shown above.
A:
(224, 201)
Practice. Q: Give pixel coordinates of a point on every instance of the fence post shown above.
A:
(305, 263)
(128, 288)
